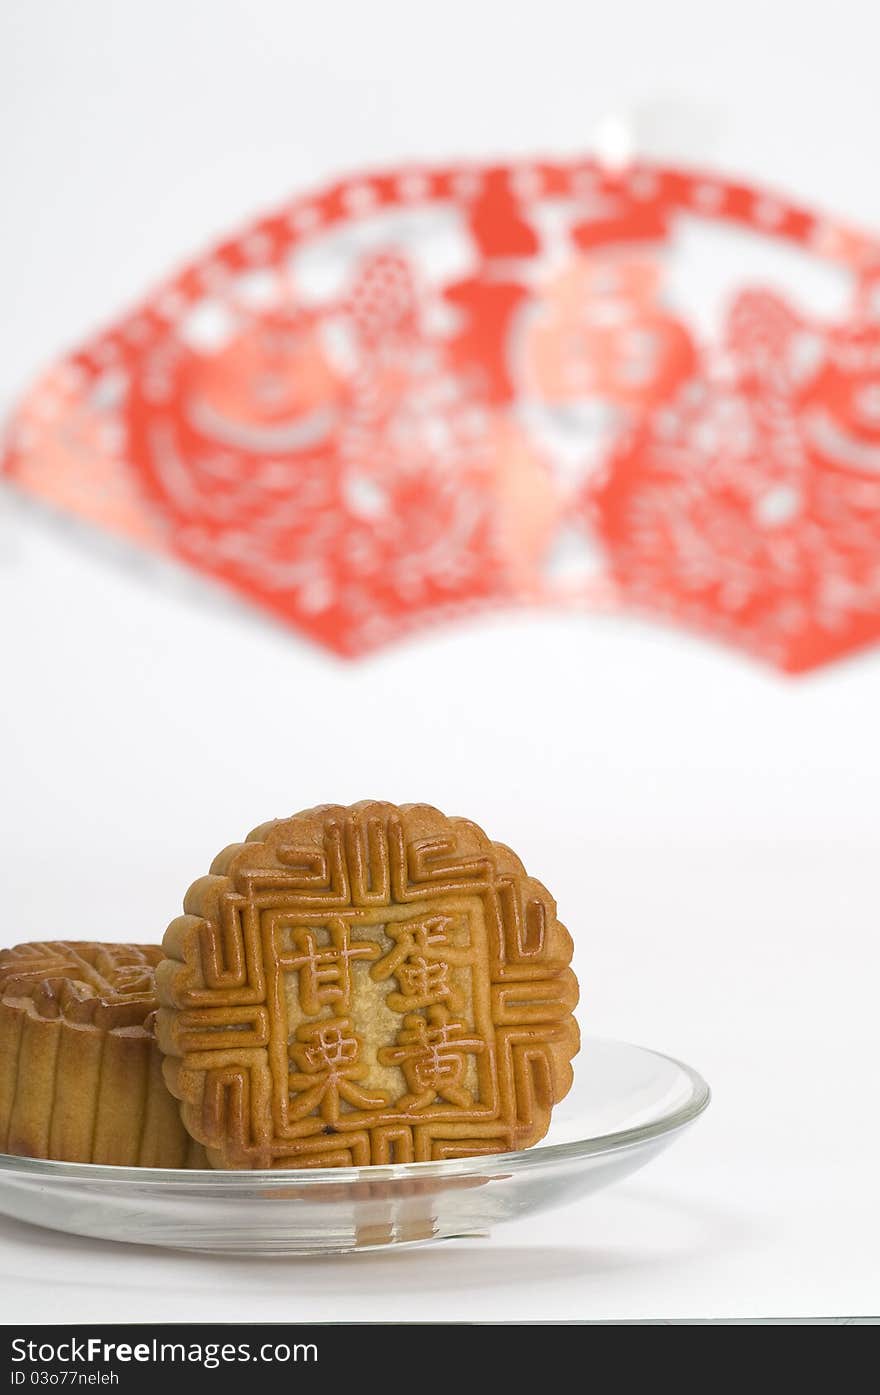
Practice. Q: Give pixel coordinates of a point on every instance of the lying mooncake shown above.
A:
(369, 984)
(80, 1071)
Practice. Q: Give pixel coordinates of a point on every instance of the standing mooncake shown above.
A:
(371, 984)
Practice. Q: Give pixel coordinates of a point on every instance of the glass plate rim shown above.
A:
(541, 1155)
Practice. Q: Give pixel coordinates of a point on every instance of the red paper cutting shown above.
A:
(751, 506)
(428, 391)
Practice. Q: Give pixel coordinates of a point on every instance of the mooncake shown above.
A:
(366, 984)
(80, 1072)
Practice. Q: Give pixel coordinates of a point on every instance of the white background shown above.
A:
(710, 830)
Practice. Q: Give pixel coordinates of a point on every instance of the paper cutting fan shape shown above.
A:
(417, 394)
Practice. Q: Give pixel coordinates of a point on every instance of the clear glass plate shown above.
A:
(626, 1104)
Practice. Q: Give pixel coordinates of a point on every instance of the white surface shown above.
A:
(710, 831)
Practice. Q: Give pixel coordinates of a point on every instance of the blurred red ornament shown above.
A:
(751, 505)
(428, 391)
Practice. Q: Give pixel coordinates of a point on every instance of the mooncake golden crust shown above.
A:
(366, 984)
(80, 1072)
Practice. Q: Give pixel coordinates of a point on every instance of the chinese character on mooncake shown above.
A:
(361, 985)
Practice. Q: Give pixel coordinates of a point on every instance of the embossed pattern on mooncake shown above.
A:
(369, 984)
